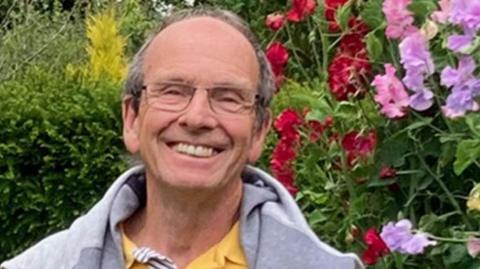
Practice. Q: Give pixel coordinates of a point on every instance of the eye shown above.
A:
(226, 95)
(173, 90)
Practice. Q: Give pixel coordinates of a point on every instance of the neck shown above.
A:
(182, 224)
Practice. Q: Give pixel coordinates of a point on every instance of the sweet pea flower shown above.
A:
(465, 88)
(441, 16)
(376, 247)
(275, 21)
(465, 13)
(399, 18)
(391, 94)
(418, 64)
(473, 246)
(399, 237)
(459, 43)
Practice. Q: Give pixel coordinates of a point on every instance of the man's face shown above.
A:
(196, 148)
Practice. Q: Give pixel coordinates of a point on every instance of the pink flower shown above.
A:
(399, 18)
(300, 9)
(391, 94)
(473, 246)
(441, 16)
(275, 21)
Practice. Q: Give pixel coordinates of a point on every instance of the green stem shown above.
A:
(398, 261)
(297, 58)
(450, 196)
(448, 239)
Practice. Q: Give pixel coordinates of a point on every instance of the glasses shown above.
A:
(175, 97)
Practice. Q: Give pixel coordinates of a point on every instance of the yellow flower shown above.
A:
(473, 202)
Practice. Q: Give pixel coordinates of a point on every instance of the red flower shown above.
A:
(358, 146)
(281, 164)
(275, 21)
(287, 124)
(387, 172)
(317, 127)
(376, 247)
(284, 154)
(277, 55)
(300, 9)
(350, 68)
(331, 7)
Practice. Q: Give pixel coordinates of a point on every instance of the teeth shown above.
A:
(198, 151)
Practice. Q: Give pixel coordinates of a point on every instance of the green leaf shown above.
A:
(374, 46)
(343, 14)
(422, 7)
(371, 13)
(473, 122)
(467, 152)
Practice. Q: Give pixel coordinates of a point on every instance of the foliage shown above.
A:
(60, 149)
(380, 162)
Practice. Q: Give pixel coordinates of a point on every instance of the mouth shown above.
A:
(199, 151)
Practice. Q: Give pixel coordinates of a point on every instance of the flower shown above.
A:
(300, 9)
(465, 87)
(275, 21)
(358, 146)
(316, 127)
(277, 55)
(347, 75)
(286, 124)
(399, 237)
(391, 94)
(399, 18)
(376, 247)
(281, 164)
(418, 64)
(465, 13)
(473, 246)
(441, 16)
(331, 7)
(460, 43)
(387, 172)
(473, 202)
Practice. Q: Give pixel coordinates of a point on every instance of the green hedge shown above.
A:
(60, 148)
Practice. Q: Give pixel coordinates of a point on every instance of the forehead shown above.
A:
(202, 49)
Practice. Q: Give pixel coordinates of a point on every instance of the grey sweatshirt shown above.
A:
(274, 233)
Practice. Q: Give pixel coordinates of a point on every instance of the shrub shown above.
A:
(60, 148)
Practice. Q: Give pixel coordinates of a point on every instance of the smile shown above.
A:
(195, 150)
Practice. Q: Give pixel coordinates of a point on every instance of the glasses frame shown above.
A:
(244, 109)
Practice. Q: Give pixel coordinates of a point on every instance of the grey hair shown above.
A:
(265, 89)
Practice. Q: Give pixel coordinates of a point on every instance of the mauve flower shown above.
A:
(300, 9)
(277, 55)
(275, 21)
(441, 16)
(465, 13)
(416, 60)
(376, 247)
(458, 43)
(418, 64)
(399, 18)
(421, 100)
(465, 88)
(391, 94)
(399, 237)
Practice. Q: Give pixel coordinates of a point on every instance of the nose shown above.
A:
(198, 116)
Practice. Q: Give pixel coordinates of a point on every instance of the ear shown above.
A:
(259, 138)
(130, 125)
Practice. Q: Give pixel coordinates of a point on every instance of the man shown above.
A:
(195, 110)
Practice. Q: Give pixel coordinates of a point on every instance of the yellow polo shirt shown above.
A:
(227, 254)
